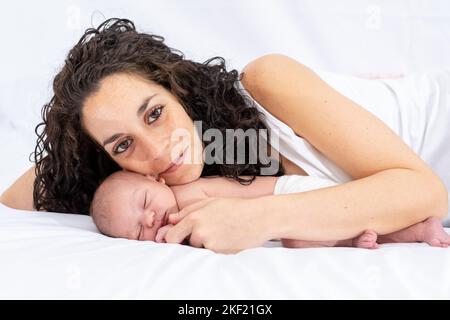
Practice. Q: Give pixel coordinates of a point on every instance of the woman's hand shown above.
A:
(161, 233)
(223, 225)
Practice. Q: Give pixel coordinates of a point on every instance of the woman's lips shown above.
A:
(176, 164)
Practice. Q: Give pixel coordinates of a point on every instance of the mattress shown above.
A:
(46, 255)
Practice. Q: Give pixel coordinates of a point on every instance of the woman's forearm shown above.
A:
(20, 194)
(384, 202)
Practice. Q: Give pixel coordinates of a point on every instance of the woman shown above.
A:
(121, 95)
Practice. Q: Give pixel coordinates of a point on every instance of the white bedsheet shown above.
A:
(60, 256)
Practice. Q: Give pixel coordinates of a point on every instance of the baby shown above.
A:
(132, 206)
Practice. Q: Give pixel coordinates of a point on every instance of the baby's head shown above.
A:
(132, 206)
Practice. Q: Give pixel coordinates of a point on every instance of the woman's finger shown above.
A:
(160, 234)
(195, 241)
(179, 232)
(175, 218)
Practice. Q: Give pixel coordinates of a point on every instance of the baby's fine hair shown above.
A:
(100, 206)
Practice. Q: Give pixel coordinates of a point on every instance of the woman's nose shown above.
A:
(155, 149)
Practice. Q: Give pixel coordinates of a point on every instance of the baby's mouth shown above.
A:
(165, 218)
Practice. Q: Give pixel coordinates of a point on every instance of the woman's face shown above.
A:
(139, 124)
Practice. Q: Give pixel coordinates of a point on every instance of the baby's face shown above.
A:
(139, 206)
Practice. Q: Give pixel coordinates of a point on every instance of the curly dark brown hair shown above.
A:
(70, 165)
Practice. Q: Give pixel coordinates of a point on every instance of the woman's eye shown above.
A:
(153, 115)
(122, 147)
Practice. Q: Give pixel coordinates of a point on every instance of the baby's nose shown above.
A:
(150, 219)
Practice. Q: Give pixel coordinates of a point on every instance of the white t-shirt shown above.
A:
(416, 107)
(297, 183)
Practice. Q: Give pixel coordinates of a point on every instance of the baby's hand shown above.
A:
(161, 233)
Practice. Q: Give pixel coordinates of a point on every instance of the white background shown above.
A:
(359, 37)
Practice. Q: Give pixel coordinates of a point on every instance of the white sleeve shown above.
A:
(297, 183)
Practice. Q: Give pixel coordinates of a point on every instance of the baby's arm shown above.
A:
(186, 194)
(229, 188)
(222, 187)
(430, 231)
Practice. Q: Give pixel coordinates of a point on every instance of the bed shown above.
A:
(49, 255)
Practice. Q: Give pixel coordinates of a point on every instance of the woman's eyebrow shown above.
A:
(144, 104)
(140, 110)
(113, 138)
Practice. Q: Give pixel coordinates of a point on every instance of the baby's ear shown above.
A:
(161, 180)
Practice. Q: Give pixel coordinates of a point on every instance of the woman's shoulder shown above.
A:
(343, 131)
(259, 71)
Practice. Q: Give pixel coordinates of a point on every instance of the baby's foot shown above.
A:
(433, 233)
(367, 240)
